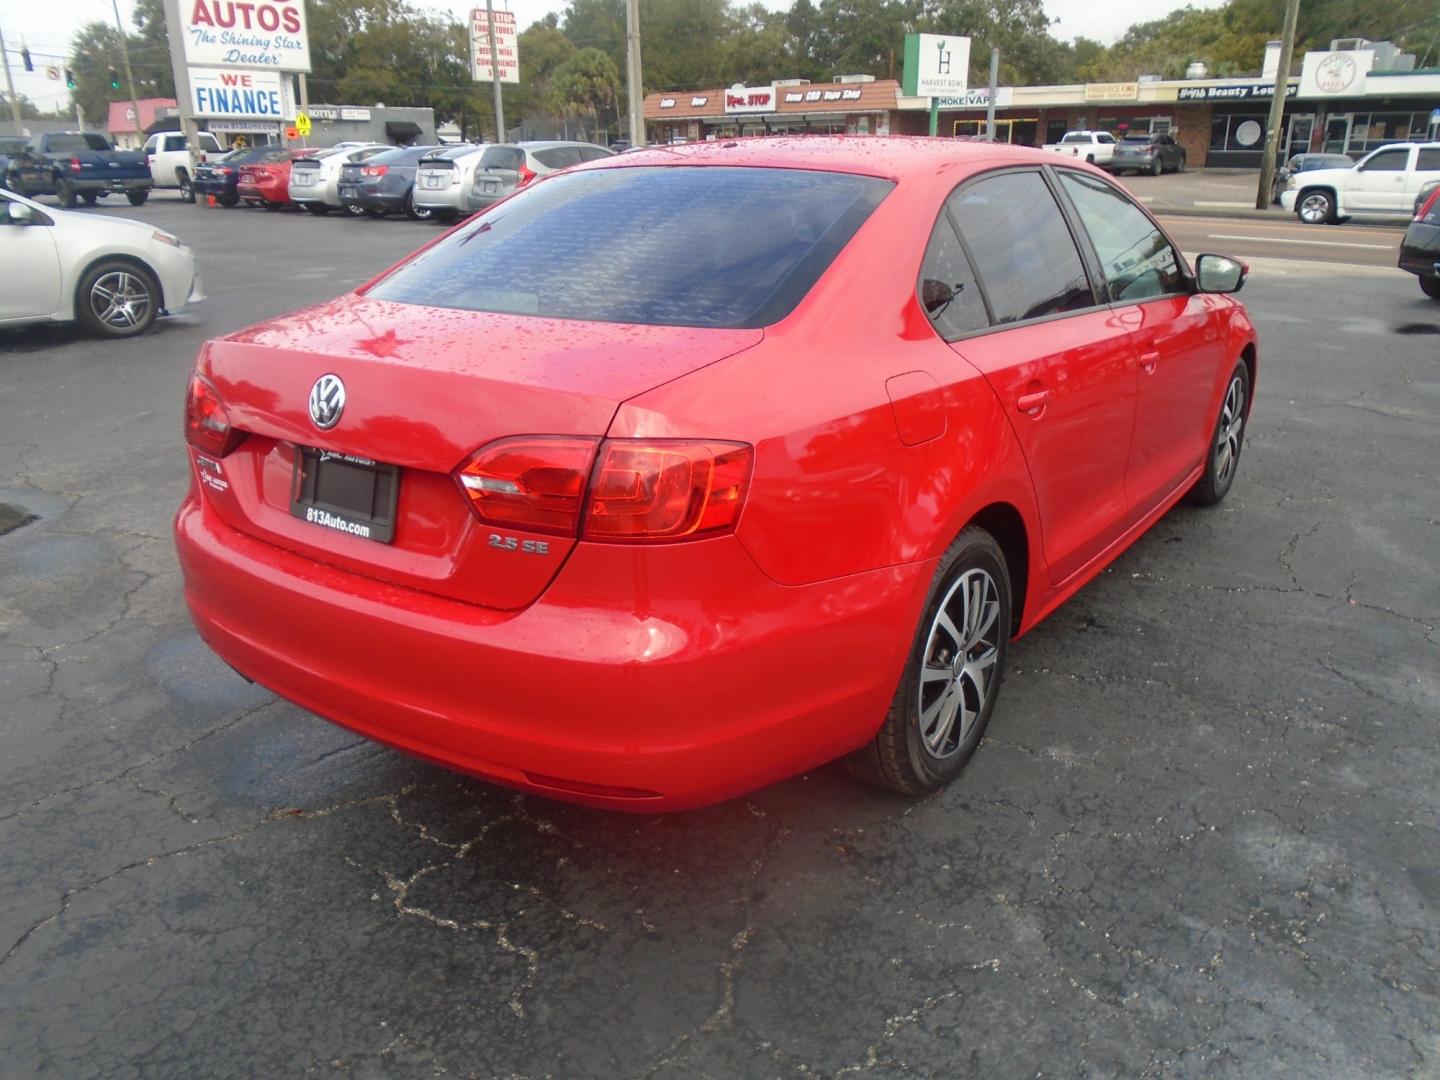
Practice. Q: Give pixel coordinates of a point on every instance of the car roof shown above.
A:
(889, 156)
(548, 143)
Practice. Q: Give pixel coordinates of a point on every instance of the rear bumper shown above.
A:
(1420, 250)
(643, 679)
(451, 198)
(122, 183)
(374, 200)
(271, 193)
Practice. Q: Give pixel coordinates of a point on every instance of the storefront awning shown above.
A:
(401, 129)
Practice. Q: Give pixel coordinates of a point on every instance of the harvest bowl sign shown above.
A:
(245, 33)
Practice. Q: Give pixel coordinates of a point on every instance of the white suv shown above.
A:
(1385, 181)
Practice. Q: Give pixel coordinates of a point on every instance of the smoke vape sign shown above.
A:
(936, 65)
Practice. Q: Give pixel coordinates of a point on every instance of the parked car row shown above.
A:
(372, 179)
(76, 166)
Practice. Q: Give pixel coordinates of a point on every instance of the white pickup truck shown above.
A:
(170, 164)
(1385, 181)
(1096, 147)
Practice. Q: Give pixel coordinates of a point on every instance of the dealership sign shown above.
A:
(249, 95)
(240, 33)
(507, 49)
(936, 65)
(750, 99)
(1250, 91)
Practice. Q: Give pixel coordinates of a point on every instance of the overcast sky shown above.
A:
(47, 26)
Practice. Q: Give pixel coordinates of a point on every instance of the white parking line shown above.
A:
(1307, 243)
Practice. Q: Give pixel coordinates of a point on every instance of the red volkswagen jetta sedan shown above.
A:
(682, 472)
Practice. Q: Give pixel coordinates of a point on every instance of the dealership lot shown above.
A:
(1200, 839)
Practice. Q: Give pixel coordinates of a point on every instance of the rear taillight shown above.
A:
(618, 490)
(374, 170)
(526, 175)
(75, 165)
(670, 490)
(224, 170)
(207, 426)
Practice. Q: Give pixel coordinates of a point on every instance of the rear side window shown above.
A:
(1024, 254)
(594, 153)
(502, 157)
(558, 157)
(1137, 260)
(1429, 160)
(674, 251)
(948, 292)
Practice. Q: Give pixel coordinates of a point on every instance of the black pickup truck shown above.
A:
(76, 165)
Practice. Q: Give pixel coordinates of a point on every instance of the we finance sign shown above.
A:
(238, 95)
(242, 33)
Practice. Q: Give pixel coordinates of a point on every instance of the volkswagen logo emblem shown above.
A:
(327, 401)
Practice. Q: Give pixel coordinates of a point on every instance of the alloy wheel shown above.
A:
(120, 299)
(1315, 209)
(958, 669)
(1231, 430)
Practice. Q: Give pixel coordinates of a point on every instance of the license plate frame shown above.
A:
(345, 493)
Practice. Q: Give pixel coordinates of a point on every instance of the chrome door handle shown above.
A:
(1147, 361)
(1032, 402)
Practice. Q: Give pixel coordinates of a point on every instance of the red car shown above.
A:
(766, 472)
(267, 183)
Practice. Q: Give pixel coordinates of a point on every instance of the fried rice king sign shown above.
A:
(265, 34)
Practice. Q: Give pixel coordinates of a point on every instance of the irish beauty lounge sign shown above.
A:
(246, 34)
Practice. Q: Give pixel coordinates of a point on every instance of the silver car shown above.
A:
(315, 180)
(506, 166)
(443, 180)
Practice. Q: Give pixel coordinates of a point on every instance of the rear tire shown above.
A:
(117, 299)
(952, 673)
(1430, 286)
(1157, 167)
(137, 198)
(318, 209)
(187, 190)
(65, 194)
(89, 198)
(227, 201)
(1227, 439)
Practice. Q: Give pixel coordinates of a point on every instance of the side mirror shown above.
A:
(935, 295)
(19, 214)
(1218, 274)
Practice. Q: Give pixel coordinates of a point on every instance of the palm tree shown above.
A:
(585, 84)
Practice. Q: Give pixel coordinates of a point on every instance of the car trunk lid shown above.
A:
(424, 389)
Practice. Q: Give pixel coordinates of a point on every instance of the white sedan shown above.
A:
(112, 275)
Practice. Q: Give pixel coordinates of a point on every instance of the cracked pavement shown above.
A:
(1199, 841)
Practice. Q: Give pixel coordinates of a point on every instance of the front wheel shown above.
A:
(65, 194)
(117, 299)
(1315, 208)
(137, 198)
(952, 676)
(1226, 442)
(1157, 167)
(1430, 286)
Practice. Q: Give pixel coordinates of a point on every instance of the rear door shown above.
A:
(1178, 359)
(1057, 356)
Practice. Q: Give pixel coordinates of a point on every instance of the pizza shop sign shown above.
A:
(245, 33)
(750, 99)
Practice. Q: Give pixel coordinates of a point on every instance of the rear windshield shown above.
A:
(450, 153)
(1073, 138)
(697, 246)
(502, 157)
(65, 144)
(557, 157)
(1144, 137)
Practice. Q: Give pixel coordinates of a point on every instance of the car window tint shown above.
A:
(947, 285)
(1429, 160)
(1137, 260)
(502, 157)
(1024, 253)
(594, 153)
(71, 143)
(673, 251)
(1388, 161)
(274, 153)
(558, 157)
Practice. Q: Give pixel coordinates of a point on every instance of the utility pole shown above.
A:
(1277, 107)
(10, 87)
(183, 98)
(129, 78)
(990, 105)
(635, 99)
(495, 73)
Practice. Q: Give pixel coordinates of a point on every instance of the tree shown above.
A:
(95, 49)
(585, 84)
(28, 109)
(544, 49)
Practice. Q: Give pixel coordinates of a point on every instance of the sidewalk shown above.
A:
(1215, 193)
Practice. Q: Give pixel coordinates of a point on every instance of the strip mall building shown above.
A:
(1348, 99)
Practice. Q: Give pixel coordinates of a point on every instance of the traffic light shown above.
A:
(69, 79)
(25, 58)
(114, 80)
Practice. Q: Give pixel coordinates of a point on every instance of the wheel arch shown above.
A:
(1248, 355)
(121, 257)
(1006, 524)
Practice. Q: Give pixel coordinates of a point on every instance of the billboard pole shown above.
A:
(495, 71)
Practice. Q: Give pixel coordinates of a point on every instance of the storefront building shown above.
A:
(852, 105)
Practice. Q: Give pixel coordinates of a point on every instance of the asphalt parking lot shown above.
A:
(1202, 837)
